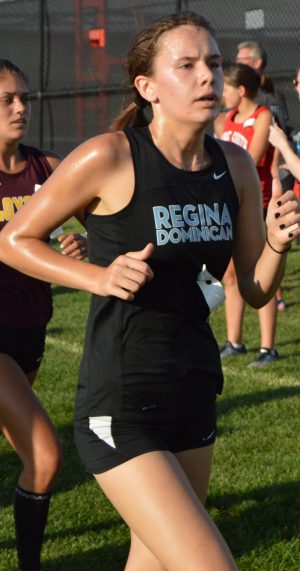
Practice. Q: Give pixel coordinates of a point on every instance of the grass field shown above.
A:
(254, 494)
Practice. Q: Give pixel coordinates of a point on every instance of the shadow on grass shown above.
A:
(110, 558)
(105, 558)
(10, 469)
(55, 330)
(292, 341)
(226, 404)
(61, 290)
(258, 518)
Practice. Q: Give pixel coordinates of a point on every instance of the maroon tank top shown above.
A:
(24, 301)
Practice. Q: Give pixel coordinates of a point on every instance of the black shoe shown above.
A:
(265, 357)
(230, 351)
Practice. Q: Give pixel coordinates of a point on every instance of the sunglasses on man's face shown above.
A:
(295, 82)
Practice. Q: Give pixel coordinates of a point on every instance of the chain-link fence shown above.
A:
(72, 52)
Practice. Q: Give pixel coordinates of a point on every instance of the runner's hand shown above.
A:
(127, 274)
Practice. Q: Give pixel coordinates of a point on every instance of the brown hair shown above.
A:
(140, 62)
(266, 84)
(241, 74)
(7, 66)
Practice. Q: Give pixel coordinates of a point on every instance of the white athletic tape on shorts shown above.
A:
(101, 426)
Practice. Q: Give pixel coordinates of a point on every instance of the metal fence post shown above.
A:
(182, 5)
(41, 74)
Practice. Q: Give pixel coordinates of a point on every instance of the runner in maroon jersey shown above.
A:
(25, 309)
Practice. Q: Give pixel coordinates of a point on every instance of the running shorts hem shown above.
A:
(105, 442)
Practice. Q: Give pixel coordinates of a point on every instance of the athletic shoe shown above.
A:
(281, 305)
(229, 350)
(265, 357)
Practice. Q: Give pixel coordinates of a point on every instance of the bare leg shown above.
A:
(281, 305)
(268, 320)
(279, 294)
(197, 466)
(154, 496)
(27, 427)
(234, 306)
(141, 558)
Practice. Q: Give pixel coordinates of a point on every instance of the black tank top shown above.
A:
(24, 301)
(190, 217)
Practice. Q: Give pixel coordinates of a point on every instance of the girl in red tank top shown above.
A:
(242, 134)
(247, 125)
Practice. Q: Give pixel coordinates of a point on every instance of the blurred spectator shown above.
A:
(247, 125)
(253, 54)
(280, 141)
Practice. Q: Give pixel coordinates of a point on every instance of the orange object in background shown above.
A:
(97, 38)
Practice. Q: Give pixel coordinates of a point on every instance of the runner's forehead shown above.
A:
(187, 42)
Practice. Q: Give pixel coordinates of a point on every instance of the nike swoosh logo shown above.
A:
(208, 437)
(217, 176)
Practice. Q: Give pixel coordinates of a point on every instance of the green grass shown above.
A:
(254, 494)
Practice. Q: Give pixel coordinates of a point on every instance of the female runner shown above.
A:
(25, 309)
(161, 199)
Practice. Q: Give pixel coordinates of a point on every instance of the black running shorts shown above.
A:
(104, 442)
(25, 345)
